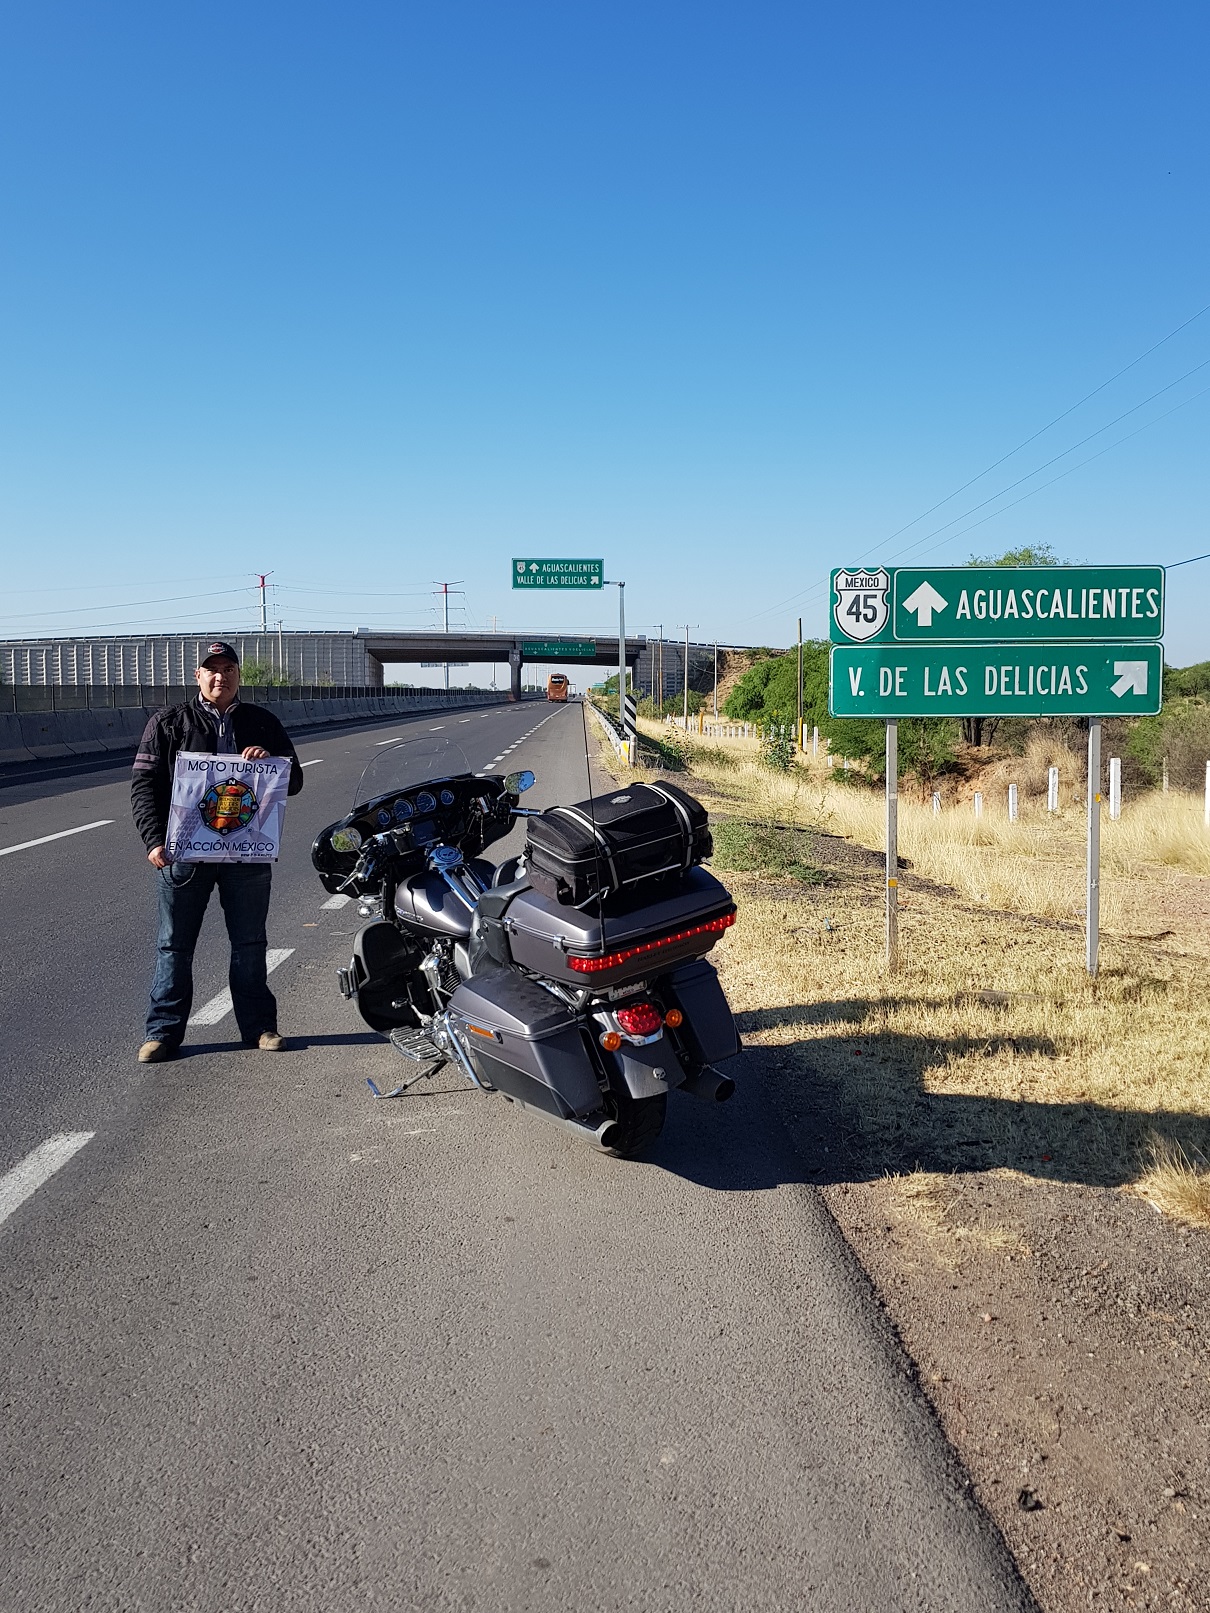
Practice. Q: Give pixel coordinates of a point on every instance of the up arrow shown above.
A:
(1132, 678)
(924, 602)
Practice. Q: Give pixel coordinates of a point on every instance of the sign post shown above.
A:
(892, 847)
(1092, 919)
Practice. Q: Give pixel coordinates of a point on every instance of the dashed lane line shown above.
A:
(219, 1007)
(315, 760)
(38, 1167)
(335, 902)
(44, 840)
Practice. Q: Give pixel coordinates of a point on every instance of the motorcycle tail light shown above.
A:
(610, 1041)
(674, 1018)
(611, 960)
(639, 1019)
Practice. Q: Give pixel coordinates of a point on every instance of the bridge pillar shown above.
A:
(514, 667)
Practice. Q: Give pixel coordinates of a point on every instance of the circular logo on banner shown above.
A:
(227, 807)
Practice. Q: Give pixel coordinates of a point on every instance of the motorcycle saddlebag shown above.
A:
(641, 832)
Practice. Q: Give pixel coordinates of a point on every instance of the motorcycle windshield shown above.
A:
(410, 763)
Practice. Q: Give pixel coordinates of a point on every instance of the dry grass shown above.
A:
(991, 1048)
(1175, 1185)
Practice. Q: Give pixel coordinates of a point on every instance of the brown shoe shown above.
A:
(271, 1042)
(156, 1052)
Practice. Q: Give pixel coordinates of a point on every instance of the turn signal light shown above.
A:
(674, 1018)
(611, 960)
(639, 1019)
(610, 1041)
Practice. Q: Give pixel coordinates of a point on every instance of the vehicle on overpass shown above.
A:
(557, 686)
(572, 980)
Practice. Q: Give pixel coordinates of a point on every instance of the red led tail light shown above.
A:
(639, 1019)
(611, 960)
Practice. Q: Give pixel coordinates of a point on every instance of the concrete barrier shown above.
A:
(52, 735)
(13, 749)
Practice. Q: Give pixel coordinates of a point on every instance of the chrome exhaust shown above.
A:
(709, 1084)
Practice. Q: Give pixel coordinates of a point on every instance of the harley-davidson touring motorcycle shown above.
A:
(571, 979)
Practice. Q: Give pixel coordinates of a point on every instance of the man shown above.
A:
(220, 723)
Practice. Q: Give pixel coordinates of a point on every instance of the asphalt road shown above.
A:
(268, 1344)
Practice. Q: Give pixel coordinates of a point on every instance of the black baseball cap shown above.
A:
(218, 646)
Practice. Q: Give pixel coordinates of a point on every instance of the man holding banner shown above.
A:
(208, 795)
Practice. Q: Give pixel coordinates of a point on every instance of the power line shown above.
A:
(1178, 563)
(1043, 429)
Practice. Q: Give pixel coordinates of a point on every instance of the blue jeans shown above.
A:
(184, 891)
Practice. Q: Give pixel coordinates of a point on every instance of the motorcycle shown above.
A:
(587, 1009)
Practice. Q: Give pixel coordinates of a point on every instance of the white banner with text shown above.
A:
(225, 809)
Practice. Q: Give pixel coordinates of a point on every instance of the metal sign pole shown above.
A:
(1093, 892)
(892, 847)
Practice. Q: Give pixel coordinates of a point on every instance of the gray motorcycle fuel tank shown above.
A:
(426, 900)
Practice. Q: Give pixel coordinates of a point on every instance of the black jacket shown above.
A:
(189, 727)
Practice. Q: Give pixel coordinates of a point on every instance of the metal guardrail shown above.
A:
(623, 747)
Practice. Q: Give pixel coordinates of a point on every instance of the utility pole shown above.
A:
(716, 680)
(688, 625)
(445, 603)
(798, 729)
(264, 618)
(660, 700)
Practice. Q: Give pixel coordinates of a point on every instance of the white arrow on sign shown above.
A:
(1132, 677)
(924, 602)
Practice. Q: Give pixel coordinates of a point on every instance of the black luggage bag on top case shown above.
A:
(612, 843)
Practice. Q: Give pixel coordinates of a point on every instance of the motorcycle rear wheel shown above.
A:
(640, 1121)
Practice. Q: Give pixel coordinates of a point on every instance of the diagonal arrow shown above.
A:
(924, 602)
(1132, 678)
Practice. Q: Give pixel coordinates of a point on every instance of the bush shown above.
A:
(749, 848)
(1182, 734)
(777, 749)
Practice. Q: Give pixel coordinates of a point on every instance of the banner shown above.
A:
(225, 809)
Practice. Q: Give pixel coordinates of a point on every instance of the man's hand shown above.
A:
(158, 857)
(254, 753)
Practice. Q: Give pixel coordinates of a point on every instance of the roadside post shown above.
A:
(991, 641)
(892, 847)
(1092, 904)
(798, 730)
(1012, 803)
(1115, 787)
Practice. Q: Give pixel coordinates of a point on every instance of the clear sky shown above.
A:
(376, 294)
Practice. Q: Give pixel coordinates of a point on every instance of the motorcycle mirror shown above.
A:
(517, 783)
(346, 839)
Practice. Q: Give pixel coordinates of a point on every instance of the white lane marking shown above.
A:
(390, 741)
(464, 719)
(436, 728)
(38, 1167)
(313, 762)
(43, 840)
(219, 1007)
(333, 902)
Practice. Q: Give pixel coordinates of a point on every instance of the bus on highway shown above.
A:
(556, 686)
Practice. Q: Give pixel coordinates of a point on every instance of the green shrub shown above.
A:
(751, 848)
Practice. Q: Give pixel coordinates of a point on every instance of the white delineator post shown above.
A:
(1208, 795)
(1115, 787)
(1052, 790)
(892, 847)
(815, 742)
(1012, 803)
(936, 803)
(978, 803)
(1092, 925)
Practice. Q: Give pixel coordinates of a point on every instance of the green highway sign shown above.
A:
(558, 573)
(996, 604)
(889, 681)
(547, 649)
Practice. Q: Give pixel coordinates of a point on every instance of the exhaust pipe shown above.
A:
(709, 1084)
(603, 1136)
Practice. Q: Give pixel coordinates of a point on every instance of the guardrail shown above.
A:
(623, 747)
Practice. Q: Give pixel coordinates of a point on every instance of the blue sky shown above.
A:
(374, 295)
